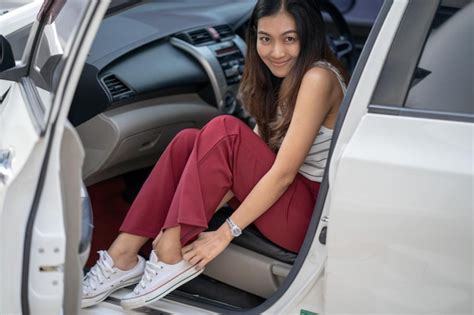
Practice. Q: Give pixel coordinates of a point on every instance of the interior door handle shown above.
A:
(6, 157)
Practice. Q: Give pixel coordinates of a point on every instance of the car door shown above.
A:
(40, 160)
(400, 215)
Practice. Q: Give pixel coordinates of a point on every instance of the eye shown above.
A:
(290, 39)
(264, 39)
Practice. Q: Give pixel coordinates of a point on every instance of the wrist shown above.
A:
(234, 229)
(224, 230)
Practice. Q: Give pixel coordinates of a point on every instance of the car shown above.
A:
(91, 93)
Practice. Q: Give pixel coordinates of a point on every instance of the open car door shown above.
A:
(401, 179)
(41, 159)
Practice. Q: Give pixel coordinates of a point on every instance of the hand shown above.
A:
(206, 247)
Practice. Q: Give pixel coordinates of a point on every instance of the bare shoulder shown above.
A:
(321, 87)
(321, 78)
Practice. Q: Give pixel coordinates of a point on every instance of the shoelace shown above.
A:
(151, 270)
(100, 272)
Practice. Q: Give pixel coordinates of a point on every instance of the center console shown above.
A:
(231, 61)
(222, 55)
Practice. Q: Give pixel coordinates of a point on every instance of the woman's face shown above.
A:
(278, 44)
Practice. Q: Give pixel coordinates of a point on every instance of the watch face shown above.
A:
(236, 231)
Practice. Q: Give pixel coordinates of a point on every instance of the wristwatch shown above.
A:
(234, 228)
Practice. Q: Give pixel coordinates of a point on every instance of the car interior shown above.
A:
(158, 67)
(155, 68)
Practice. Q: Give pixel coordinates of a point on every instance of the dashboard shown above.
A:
(155, 68)
(163, 48)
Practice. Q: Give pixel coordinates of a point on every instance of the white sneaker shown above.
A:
(103, 279)
(158, 280)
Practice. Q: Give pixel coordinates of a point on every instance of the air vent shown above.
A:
(200, 36)
(224, 31)
(118, 90)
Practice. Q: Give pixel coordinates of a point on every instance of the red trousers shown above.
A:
(196, 171)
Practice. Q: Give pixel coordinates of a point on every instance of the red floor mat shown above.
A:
(109, 209)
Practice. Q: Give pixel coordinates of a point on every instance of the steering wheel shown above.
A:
(343, 44)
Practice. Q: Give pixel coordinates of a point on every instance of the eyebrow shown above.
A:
(284, 33)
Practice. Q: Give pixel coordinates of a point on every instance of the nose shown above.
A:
(278, 51)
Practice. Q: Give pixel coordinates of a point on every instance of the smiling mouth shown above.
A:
(279, 64)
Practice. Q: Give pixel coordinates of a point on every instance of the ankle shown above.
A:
(124, 250)
(123, 260)
(169, 253)
(169, 258)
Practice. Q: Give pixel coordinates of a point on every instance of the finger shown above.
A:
(189, 255)
(187, 248)
(195, 260)
(201, 264)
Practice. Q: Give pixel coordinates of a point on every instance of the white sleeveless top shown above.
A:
(315, 162)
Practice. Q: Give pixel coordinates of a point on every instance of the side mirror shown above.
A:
(7, 60)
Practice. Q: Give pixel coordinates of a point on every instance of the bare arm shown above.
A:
(311, 108)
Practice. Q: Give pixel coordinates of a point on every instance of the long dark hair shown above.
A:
(260, 91)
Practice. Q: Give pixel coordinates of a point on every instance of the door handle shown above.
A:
(6, 157)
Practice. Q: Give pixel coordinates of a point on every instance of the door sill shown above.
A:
(111, 306)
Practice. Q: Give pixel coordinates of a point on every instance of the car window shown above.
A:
(428, 70)
(443, 78)
(55, 42)
(117, 5)
(16, 22)
(18, 40)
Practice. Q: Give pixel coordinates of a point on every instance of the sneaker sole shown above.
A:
(155, 295)
(99, 298)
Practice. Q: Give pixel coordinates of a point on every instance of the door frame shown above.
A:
(54, 129)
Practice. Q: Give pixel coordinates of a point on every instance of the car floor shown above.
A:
(111, 306)
(111, 200)
(109, 209)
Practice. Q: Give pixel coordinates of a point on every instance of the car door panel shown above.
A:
(21, 138)
(401, 218)
(72, 157)
(34, 196)
(57, 187)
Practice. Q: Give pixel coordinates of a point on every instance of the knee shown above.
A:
(226, 123)
(186, 136)
(188, 133)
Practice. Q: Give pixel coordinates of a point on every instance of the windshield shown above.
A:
(117, 5)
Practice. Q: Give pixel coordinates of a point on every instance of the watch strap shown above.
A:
(235, 230)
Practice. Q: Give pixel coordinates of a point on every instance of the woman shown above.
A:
(293, 90)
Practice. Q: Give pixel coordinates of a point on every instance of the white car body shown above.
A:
(20, 14)
(398, 211)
